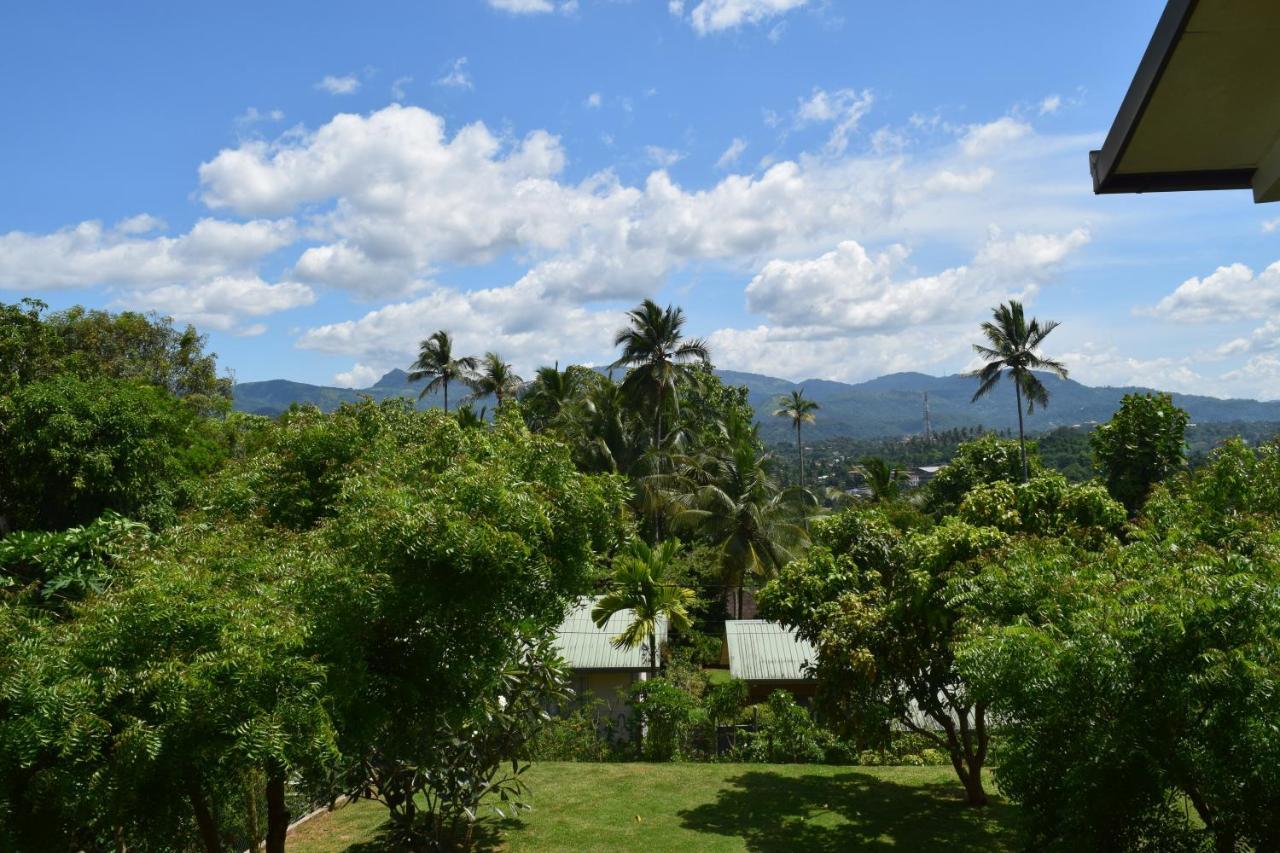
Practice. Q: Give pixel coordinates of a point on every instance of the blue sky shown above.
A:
(836, 189)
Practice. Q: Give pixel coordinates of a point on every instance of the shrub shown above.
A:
(786, 734)
(675, 727)
(580, 735)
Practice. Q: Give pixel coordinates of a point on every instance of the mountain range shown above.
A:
(886, 406)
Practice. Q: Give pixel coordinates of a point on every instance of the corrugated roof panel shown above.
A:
(760, 650)
(585, 646)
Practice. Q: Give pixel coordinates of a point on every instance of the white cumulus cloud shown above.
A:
(710, 16)
(345, 84)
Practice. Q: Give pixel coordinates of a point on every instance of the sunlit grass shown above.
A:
(716, 807)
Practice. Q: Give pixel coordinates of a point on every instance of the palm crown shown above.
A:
(1012, 348)
(641, 584)
(658, 354)
(494, 376)
(436, 362)
(800, 410)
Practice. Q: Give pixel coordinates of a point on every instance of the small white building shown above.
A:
(601, 671)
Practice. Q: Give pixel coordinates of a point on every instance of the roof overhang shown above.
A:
(1203, 110)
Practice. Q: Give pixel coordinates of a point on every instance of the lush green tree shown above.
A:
(986, 459)
(494, 377)
(438, 804)
(436, 362)
(453, 544)
(659, 355)
(884, 481)
(642, 583)
(126, 346)
(1134, 679)
(800, 411)
(1012, 349)
(71, 449)
(874, 604)
(884, 607)
(1142, 444)
(135, 724)
(25, 342)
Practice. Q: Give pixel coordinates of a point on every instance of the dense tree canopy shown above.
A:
(1142, 444)
(1134, 678)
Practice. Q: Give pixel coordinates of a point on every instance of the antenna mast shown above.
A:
(928, 424)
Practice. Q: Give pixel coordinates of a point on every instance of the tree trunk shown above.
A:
(657, 443)
(653, 655)
(800, 453)
(253, 824)
(1022, 436)
(205, 823)
(277, 813)
(446, 396)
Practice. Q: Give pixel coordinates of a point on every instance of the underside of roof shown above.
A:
(759, 650)
(586, 647)
(1203, 110)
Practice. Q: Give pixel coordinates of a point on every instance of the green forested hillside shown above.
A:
(888, 406)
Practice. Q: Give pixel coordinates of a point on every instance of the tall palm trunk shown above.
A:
(446, 395)
(1022, 436)
(657, 444)
(800, 453)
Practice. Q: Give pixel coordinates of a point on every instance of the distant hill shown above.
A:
(886, 406)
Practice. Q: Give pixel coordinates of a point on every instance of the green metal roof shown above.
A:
(585, 646)
(760, 650)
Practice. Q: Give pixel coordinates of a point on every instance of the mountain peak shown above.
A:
(394, 378)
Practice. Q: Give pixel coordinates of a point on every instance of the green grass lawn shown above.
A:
(691, 808)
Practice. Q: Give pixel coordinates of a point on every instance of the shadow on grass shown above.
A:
(488, 837)
(850, 811)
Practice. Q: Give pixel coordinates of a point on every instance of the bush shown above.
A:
(675, 727)
(786, 734)
(580, 735)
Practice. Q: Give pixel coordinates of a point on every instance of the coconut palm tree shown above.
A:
(800, 410)
(1012, 349)
(494, 376)
(553, 393)
(883, 481)
(436, 362)
(642, 583)
(659, 355)
(729, 497)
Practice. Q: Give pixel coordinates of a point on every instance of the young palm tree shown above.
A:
(883, 481)
(468, 417)
(659, 355)
(730, 498)
(436, 362)
(642, 584)
(801, 411)
(1012, 350)
(554, 393)
(494, 376)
